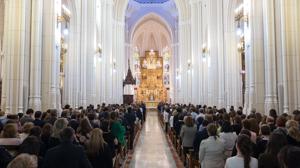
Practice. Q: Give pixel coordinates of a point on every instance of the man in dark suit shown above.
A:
(144, 111)
(37, 121)
(66, 155)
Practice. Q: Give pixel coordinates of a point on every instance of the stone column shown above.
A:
(119, 56)
(36, 54)
(14, 53)
(184, 95)
(231, 60)
(4, 59)
(83, 53)
(196, 42)
(72, 63)
(90, 55)
(51, 55)
(254, 56)
(296, 12)
(221, 55)
(212, 59)
(175, 89)
(286, 19)
(270, 58)
(204, 63)
(108, 51)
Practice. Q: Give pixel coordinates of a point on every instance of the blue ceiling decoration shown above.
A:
(151, 1)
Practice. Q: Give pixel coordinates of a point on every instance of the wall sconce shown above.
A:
(241, 45)
(114, 65)
(189, 64)
(239, 32)
(99, 52)
(64, 17)
(177, 74)
(204, 49)
(66, 10)
(66, 30)
(240, 15)
(99, 49)
(204, 52)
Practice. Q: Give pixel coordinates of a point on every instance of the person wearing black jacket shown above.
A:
(130, 118)
(109, 138)
(144, 111)
(5, 157)
(66, 154)
(38, 121)
(200, 136)
(98, 150)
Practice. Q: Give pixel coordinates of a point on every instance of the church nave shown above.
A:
(152, 149)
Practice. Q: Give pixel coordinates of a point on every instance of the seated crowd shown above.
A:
(78, 138)
(208, 137)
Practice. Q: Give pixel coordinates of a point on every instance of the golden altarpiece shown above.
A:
(151, 89)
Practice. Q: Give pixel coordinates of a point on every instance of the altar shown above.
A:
(151, 104)
(151, 89)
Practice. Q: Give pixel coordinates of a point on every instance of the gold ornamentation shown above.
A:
(151, 88)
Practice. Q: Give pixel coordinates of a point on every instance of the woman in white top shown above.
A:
(211, 151)
(243, 158)
(228, 137)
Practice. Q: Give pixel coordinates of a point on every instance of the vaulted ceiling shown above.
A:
(151, 33)
(151, 1)
(136, 11)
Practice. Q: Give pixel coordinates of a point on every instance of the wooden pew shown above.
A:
(178, 147)
(192, 159)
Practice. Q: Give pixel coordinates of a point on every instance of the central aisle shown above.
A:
(152, 149)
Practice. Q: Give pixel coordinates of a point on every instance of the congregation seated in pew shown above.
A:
(242, 140)
(83, 138)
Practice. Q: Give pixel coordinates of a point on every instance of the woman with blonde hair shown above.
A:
(24, 161)
(26, 130)
(293, 133)
(9, 135)
(98, 150)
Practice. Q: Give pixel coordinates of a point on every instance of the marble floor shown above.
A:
(152, 149)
